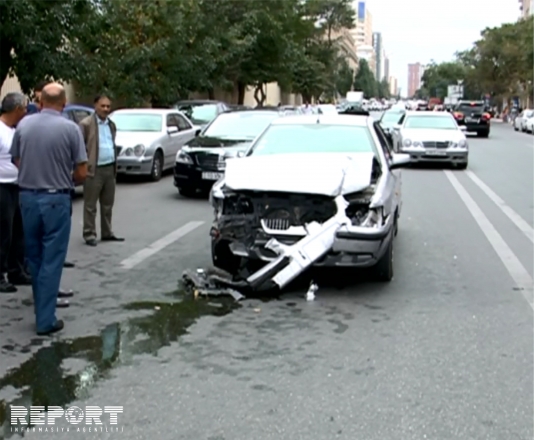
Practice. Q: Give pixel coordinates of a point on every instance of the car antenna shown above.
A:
(318, 120)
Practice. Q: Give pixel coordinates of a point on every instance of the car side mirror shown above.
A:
(399, 161)
(397, 127)
(172, 130)
(463, 128)
(198, 131)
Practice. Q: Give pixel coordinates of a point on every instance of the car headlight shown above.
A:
(407, 142)
(462, 144)
(183, 157)
(375, 218)
(139, 150)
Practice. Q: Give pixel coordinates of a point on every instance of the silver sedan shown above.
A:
(149, 139)
(431, 137)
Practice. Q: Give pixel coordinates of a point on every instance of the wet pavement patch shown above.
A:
(66, 370)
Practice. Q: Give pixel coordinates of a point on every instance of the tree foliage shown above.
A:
(499, 63)
(157, 51)
(365, 81)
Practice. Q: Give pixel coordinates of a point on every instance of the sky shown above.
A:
(422, 30)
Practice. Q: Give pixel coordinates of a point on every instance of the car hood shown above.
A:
(329, 174)
(432, 135)
(224, 147)
(128, 139)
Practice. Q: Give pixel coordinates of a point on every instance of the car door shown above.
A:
(79, 115)
(171, 140)
(397, 135)
(394, 186)
(187, 131)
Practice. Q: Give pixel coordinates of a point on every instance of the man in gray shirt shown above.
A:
(45, 147)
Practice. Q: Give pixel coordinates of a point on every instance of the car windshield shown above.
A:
(479, 108)
(444, 122)
(316, 138)
(389, 119)
(199, 113)
(246, 125)
(137, 122)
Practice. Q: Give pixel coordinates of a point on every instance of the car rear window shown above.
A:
(471, 107)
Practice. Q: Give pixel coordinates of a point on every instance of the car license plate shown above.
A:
(472, 120)
(211, 176)
(436, 153)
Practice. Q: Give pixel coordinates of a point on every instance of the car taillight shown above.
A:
(486, 116)
(458, 115)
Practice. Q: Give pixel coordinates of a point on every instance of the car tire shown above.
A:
(222, 257)
(483, 134)
(383, 270)
(157, 167)
(515, 128)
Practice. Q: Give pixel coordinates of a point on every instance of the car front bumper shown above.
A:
(475, 126)
(449, 155)
(358, 248)
(193, 176)
(135, 166)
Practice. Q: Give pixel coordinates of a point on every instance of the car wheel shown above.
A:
(515, 128)
(157, 167)
(187, 191)
(383, 270)
(223, 258)
(483, 134)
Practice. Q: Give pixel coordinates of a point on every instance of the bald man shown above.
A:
(45, 147)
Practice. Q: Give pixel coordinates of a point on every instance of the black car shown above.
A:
(201, 111)
(473, 115)
(202, 161)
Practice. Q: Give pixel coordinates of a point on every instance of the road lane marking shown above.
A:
(512, 264)
(514, 217)
(162, 243)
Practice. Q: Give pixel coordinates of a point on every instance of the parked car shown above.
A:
(202, 161)
(520, 122)
(473, 115)
(289, 184)
(529, 125)
(149, 139)
(431, 137)
(76, 112)
(201, 111)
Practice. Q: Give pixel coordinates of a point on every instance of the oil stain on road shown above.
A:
(45, 379)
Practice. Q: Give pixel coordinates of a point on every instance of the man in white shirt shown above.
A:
(12, 267)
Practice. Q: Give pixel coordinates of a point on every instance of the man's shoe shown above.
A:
(21, 279)
(90, 242)
(68, 265)
(62, 303)
(55, 328)
(6, 286)
(65, 293)
(112, 238)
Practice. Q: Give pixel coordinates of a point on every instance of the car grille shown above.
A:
(208, 160)
(433, 144)
(277, 224)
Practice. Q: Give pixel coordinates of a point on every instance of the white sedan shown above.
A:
(149, 139)
(520, 122)
(529, 125)
(431, 137)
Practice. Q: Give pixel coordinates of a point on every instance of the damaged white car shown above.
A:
(322, 190)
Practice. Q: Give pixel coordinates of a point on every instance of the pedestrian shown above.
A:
(45, 147)
(99, 135)
(33, 107)
(12, 266)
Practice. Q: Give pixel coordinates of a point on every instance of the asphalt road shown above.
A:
(445, 351)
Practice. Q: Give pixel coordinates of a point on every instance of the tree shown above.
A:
(344, 78)
(36, 39)
(365, 80)
(383, 89)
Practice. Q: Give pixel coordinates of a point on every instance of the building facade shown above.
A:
(379, 55)
(386, 68)
(526, 7)
(415, 73)
(393, 86)
(362, 33)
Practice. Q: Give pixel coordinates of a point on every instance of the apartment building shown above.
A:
(526, 7)
(380, 56)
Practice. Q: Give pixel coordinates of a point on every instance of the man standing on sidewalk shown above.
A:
(99, 136)
(12, 110)
(45, 147)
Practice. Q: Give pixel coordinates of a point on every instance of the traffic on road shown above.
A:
(443, 347)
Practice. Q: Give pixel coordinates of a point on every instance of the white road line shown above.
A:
(159, 245)
(514, 267)
(514, 217)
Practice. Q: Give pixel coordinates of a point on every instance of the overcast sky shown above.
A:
(421, 30)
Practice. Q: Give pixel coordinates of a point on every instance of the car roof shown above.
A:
(425, 113)
(198, 101)
(322, 119)
(269, 111)
(78, 107)
(144, 111)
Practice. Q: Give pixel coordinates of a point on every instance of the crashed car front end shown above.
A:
(248, 221)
